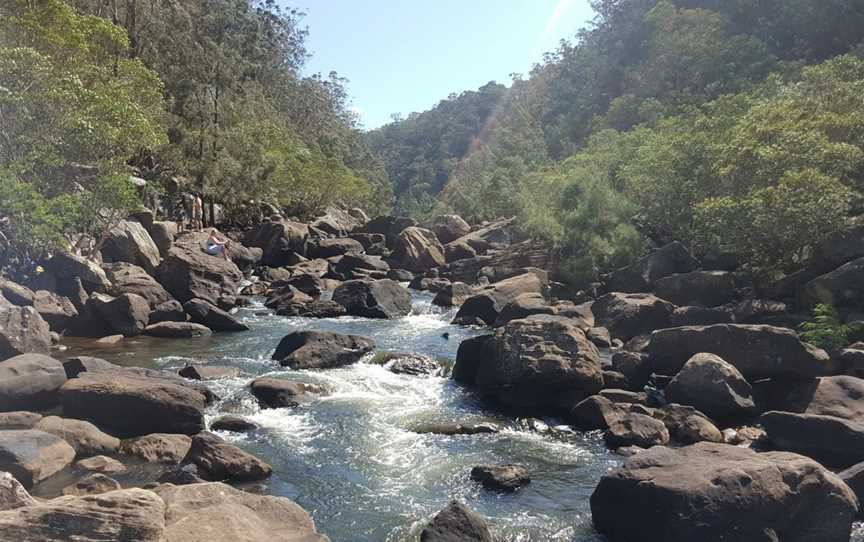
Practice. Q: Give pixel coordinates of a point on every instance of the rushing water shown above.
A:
(351, 459)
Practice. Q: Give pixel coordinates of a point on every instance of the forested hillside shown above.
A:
(204, 94)
(736, 127)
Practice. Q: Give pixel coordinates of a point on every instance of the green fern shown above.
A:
(825, 329)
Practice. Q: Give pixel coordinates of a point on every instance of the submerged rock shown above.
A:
(456, 523)
(506, 478)
(280, 393)
(321, 349)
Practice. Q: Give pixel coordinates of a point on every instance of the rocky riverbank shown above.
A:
(692, 373)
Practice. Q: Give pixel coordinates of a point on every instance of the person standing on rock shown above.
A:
(197, 212)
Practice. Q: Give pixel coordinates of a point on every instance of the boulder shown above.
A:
(187, 272)
(840, 288)
(757, 351)
(635, 367)
(101, 464)
(599, 336)
(56, 310)
(456, 523)
(20, 419)
(629, 315)
(308, 283)
(181, 475)
(279, 393)
(220, 461)
(163, 234)
(234, 424)
(595, 412)
(169, 311)
(459, 250)
(326, 248)
(16, 294)
(641, 275)
(693, 429)
(705, 288)
(353, 266)
(418, 249)
(408, 364)
(84, 437)
(23, 331)
(208, 372)
(373, 299)
(713, 386)
(92, 484)
(126, 314)
(699, 316)
(207, 314)
(488, 302)
(314, 309)
(469, 356)
(389, 226)
(158, 447)
(31, 455)
(12, 493)
(752, 496)
(145, 404)
(67, 267)
(854, 478)
(30, 382)
(450, 429)
(523, 306)
(216, 512)
(453, 295)
(279, 240)
(541, 363)
(506, 478)
(633, 429)
(128, 241)
(127, 278)
(177, 330)
(449, 227)
(122, 515)
(321, 349)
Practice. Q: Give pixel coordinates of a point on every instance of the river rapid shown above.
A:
(351, 459)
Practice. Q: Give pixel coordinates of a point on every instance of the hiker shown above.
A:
(197, 212)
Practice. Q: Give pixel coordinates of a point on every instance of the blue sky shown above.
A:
(404, 56)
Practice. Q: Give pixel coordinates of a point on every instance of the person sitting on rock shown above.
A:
(216, 246)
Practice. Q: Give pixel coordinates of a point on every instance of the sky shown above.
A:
(405, 56)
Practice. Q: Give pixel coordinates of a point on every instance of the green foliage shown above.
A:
(825, 330)
(73, 110)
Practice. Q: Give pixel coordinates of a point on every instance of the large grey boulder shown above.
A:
(487, 303)
(541, 363)
(30, 382)
(279, 240)
(216, 512)
(57, 310)
(757, 351)
(124, 515)
(127, 404)
(127, 278)
(168, 448)
(281, 393)
(163, 234)
(628, 315)
(177, 330)
(207, 314)
(129, 241)
(15, 293)
(321, 349)
(373, 299)
(126, 314)
(31, 455)
(12, 493)
(706, 288)
(711, 491)
(456, 523)
(327, 248)
(418, 249)
(843, 287)
(22, 330)
(714, 387)
(222, 461)
(68, 267)
(84, 437)
(354, 266)
(634, 429)
(641, 275)
(187, 272)
(449, 227)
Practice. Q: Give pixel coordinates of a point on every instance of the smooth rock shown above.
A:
(92, 484)
(30, 382)
(629, 315)
(23, 331)
(158, 447)
(31, 455)
(83, 436)
(220, 460)
(506, 478)
(456, 523)
(177, 330)
(321, 349)
(280, 393)
(714, 387)
(207, 314)
(374, 299)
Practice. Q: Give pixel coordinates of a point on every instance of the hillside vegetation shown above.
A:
(735, 127)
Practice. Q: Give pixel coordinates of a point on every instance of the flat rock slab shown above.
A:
(124, 515)
(215, 512)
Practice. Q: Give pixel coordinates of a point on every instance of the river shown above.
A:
(351, 459)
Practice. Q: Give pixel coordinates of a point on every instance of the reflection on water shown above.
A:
(351, 459)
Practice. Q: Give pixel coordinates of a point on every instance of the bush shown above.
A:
(825, 330)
